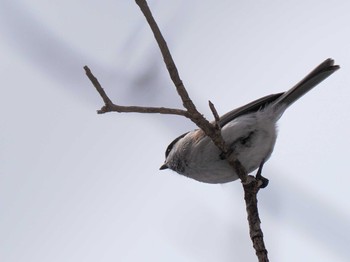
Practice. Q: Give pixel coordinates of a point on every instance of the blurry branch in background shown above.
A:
(251, 184)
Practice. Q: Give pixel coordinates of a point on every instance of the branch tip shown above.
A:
(215, 114)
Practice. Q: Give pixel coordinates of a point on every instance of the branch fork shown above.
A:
(250, 184)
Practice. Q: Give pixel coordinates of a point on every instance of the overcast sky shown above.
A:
(77, 186)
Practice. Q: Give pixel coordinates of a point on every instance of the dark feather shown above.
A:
(316, 76)
(254, 106)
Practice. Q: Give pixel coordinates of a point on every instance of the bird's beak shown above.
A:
(164, 166)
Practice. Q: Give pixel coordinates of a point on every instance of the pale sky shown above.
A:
(77, 186)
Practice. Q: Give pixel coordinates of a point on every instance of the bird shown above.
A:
(249, 131)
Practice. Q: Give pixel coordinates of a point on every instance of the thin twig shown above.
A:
(168, 60)
(111, 107)
(142, 109)
(216, 115)
(98, 86)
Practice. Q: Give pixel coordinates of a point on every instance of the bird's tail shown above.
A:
(315, 77)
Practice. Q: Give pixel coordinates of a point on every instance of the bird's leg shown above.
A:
(259, 177)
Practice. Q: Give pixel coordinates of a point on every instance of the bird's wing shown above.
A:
(316, 76)
(248, 108)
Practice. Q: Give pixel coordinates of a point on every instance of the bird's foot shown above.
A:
(264, 181)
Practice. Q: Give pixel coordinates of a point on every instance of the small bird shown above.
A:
(249, 131)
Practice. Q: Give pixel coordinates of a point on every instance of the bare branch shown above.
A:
(168, 60)
(98, 86)
(141, 109)
(251, 184)
(111, 107)
(196, 117)
(250, 196)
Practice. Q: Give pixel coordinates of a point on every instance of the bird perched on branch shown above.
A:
(249, 131)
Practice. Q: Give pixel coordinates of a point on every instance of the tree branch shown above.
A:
(196, 117)
(168, 60)
(251, 185)
(111, 107)
(256, 235)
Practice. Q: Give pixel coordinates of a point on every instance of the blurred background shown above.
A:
(77, 186)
